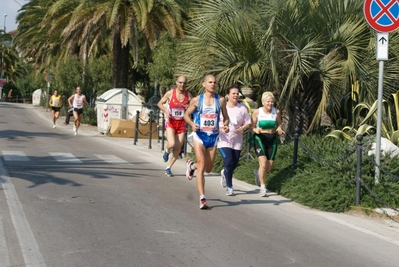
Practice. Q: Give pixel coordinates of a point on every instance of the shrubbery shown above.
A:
(89, 116)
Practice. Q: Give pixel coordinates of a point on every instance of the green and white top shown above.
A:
(267, 121)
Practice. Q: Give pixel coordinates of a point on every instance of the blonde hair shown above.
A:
(267, 95)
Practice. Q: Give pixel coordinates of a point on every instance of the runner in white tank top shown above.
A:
(79, 100)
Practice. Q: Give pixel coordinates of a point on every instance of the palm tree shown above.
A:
(10, 64)
(117, 23)
(33, 41)
(220, 40)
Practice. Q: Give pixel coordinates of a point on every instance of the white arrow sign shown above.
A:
(382, 46)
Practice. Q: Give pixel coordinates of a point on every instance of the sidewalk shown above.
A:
(379, 226)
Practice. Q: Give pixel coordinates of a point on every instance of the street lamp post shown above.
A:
(2, 52)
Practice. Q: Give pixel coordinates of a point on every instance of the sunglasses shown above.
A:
(182, 82)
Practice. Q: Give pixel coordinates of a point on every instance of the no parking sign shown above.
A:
(382, 15)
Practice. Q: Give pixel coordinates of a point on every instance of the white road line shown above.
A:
(65, 157)
(14, 156)
(111, 159)
(29, 247)
(5, 260)
(359, 228)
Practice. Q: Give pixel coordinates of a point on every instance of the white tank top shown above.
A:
(78, 101)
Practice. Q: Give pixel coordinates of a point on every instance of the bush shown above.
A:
(89, 116)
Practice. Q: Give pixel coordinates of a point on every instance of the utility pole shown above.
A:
(2, 81)
(2, 52)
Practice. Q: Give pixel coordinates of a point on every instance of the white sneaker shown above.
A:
(263, 192)
(54, 126)
(203, 205)
(223, 179)
(189, 171)
(230, 191)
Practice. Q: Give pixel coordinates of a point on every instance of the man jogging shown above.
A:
(178, 99)
(206, 109)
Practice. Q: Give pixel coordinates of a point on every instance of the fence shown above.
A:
(140, 121)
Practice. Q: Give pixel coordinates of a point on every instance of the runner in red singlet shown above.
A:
(178, 99)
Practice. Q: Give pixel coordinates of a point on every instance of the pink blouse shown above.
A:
(239, 116)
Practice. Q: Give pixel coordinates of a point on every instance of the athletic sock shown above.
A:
(263, 186)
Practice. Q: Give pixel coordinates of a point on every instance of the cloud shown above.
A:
(9, 7)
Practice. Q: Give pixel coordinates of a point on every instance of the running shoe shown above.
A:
(189, 171)
(54, 126)
(203, 205)
(230, 191)
(263, 192)
(168, 172)
(165, 156)
(223, 179)
(257, 182)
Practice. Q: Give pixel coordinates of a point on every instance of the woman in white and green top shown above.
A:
(266, 123)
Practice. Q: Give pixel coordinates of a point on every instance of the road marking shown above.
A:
(29, 247)
(111, 159)
(14, 156)
(65, 157)
(5, 261)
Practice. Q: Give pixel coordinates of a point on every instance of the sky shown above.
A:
(10, 7)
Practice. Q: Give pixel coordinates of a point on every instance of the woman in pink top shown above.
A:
(230, 144)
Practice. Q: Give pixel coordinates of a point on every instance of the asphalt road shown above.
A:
(91, 200)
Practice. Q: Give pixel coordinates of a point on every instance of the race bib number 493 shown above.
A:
(208, 122)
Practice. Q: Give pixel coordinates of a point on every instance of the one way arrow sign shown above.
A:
(382, 46)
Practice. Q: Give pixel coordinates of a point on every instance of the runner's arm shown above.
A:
(70, 99)
(279, 123)
(164, 100)
(255, 121)
(190, 110)
(226, 119)
(85, 101)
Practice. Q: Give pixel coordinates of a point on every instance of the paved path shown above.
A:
(383, 228)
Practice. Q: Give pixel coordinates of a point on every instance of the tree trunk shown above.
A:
(120, 63)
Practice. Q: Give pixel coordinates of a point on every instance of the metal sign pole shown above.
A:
(47, 95)
(382, 55)
(379, 121)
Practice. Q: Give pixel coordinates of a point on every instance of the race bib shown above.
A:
(55, 102)
(177, 113)
(208, 122)
(79, 105)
